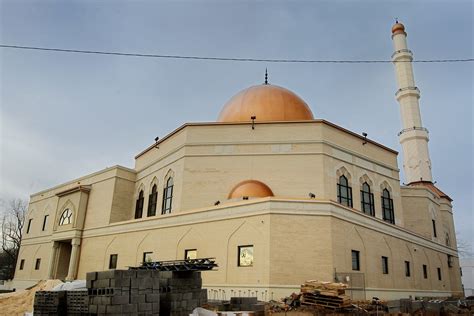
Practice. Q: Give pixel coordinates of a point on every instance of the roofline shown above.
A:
(81, 178)
(268, 122)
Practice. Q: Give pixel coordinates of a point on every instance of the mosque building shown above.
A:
(275, 195)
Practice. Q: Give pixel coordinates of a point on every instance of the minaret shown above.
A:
(413, 136)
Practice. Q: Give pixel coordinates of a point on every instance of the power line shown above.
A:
(230, 58)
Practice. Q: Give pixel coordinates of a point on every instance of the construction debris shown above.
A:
(324, 294)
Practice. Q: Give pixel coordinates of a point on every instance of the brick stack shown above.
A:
(50, 303)
(123, 292)
(247, 304)
(77, 302)
(181, 292)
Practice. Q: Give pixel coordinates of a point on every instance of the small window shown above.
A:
(245, 254)
(434, 228)
(344, 192)
(447, 240)
(37, 263)
(66, 217)
(439, 274)
(113, 261)
(407, 269)
(190, 254)
(29, 225)
(167, 197)
(139, 205)
(425, 271)
(355, 260)
(387, 207)
(367, 200)
(45, 221)
(147, 257)
(22, 264)
(384, 265)
(152, 201)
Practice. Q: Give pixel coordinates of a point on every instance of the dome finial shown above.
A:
(266, 76)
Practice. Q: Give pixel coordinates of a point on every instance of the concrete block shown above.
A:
(105, 300)
(187, 296)
(101, 283)
(166, 274)
(155, 274)
(144, 273)
(129, 273)
(134, 283)
(136, 299)
(145, 283)
(120, 299)
(155, 307)
(145, 291)
(130, 308)
(145, 307)
(101, 309)
(92, 309)
(152, 298)
(90, 276)
(114, 309)
(155, 283)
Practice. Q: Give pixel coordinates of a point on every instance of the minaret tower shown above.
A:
(413, 136)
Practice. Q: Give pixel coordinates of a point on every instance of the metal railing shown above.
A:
(414, 128)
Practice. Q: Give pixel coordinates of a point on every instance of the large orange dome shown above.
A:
(266, 102)
(250, 188)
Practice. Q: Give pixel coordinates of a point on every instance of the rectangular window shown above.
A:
(147, 257)
(37, 264)
(29, 225)
(425, 271)
(245, 254)
(355, 260)
(439, 274)
(407, 268)
(384, 265)
(113, 261)
(190, 254)
(434, 227)
(45, 221)
(22, 264)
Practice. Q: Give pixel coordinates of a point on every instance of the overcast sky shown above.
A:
(66, 115)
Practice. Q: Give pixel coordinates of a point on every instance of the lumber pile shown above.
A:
(324, 294)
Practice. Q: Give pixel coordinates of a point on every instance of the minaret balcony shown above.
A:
(407, 91)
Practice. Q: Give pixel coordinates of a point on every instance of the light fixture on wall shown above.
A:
(253, 118)
(217, 202)
(365, 138)
(312, 195)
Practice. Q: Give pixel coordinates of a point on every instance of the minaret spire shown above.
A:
(266, 76)
(413, 136)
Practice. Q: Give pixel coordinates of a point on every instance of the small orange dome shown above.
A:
(250, 188)
(398, 28)
(266, 102)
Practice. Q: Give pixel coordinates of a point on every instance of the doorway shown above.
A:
(62, 259)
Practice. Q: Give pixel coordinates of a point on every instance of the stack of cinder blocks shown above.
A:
(144, 292)
(50, 303)
(77, 302)
(181, 292)
(123, 292)
(247, 304)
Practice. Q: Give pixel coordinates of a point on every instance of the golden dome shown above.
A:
(266, 102)
(250, 188)
(398, 28)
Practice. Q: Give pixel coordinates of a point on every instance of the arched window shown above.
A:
(367, 200)
(66, 217)
(139, 205)
(167, 197)
(152, 201)
(344, 192)
(447, 240)
(387, 207)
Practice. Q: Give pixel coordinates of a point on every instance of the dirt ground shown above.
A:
(20, 302)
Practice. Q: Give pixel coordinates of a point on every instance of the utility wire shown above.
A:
(232, 59)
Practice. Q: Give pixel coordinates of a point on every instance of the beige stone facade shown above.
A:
(294, 237)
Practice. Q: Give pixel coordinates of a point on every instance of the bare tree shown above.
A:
(464, 247)
(13, 220)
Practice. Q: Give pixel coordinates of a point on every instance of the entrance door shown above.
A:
(63, 257)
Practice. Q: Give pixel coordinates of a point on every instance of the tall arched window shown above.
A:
(139, 205)
(344, 192)
(152, 201)
(167, 197)
(367, 200)
(387, 207)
